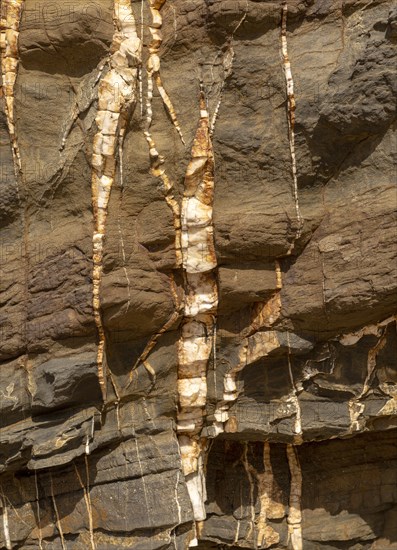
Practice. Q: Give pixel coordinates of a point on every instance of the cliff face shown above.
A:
(198, 274)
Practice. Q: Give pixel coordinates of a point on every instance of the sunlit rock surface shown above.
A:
(198, 275)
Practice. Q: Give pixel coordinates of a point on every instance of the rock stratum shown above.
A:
(198, 274)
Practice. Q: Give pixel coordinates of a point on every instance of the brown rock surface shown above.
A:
(293, 372)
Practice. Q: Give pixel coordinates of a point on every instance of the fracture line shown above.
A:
(116, 101)
(58, 521)
(291, 120)
(38, 511)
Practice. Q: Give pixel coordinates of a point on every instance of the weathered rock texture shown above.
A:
(198, 274)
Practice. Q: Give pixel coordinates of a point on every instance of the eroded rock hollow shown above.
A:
(198, 274)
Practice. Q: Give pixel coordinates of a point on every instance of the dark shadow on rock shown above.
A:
(123, 361)
(348, 497)
(232, 489)
(337, 152)
(350, 482)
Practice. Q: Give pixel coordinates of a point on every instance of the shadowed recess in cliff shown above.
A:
(266, 495)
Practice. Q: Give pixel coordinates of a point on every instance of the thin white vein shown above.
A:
(291, 106)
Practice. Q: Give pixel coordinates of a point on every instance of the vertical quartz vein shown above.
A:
(294, 519)
(153, 64)
(270, 507)
(291, 106)
(293, 398)
(116, 100)
(227, 63)
(6, 528)
(57, 516)
(11, 13)
(156, 160)
(87, 499)
(201, 301)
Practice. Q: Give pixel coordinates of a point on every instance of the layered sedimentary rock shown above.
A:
(198, 275)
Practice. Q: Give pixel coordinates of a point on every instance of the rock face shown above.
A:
(198, 274)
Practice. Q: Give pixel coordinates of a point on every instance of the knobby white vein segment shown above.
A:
(11, 13)
(291, 106)
(116, 100)
(157, 168)
(153, 64)
(201, 301)
(156, 160)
